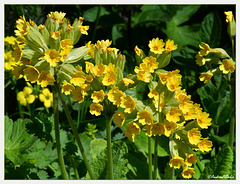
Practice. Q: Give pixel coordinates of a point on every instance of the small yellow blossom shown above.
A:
(103, 44)
(174, 114)
(157, 129)
(110, 68)
(127, 81)
(98, 70)
(200, 60)
(169, 127)
(26, 97)
(137, 50)
(145, 117)
(55, 35)
(119, 118)
(173, 83)
(205, 49)
(229, 16)
(151, 63)
(41, 26)
(46, 78)
(52, 56)
(205, 145)
(170, 46)
(176, 162)
(156, 45)
(185, 104)
(46, 97)
(132, 130)
(78, 78)
(91, 49)
(97, 96)
(188, 172)
(67, 88)
(56, 16)
(17, 72)
(8, 61)
(227, 66)
(67, 43)
(115, 96)
(64, 53)
(23, 27)
(128, 103)
(153, 94)
(96, 109)
(70, 28)
(78, 94)
(161, 105)
(194, 136)
(31, 73)
(191, 159)
(83, 29)
(148, 129)
(203, 120)
(89, 78)
(17, 53)
(163, 77)
(89, 67)
(205, 77)
(9, 40)
(109, 78)
(143, 75)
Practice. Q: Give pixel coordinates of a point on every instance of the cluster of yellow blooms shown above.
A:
(219, 56)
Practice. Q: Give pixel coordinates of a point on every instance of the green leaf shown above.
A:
(99, 163)
(220, 166)
(97, 146)
(117, 32)
(211, 29)
(86, 145)
(43, 175)
(141, 141)
(91, 14)
(16, 140)
(77, 54)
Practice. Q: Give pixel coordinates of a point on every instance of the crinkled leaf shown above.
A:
(96, 147)
(221, 165)
(16, 140)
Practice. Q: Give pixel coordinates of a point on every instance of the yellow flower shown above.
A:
(23, 27)
(151, 63)
(205, 145)
(70, 28)
(103, 44)
(83, 29)
(46, 78)
(89, 78)
(79, 93)
(205, 77)
(109, 78)
(174, 114)
(188, 172)
(229, 16)
(145, 117)
(148, 129)
(190, 114)
(227, 66)
(143, 75)
(194, 136)
(115, 96)
(89, 67)
(66, 43)
(110, 68)
(163, 77)
(153, 94)
(55, 35)
(26, 97)
(119, 118)
(58, 16)
(200, 60)
(31, 73)
(205, 49)
(157, 129)
(128, 103)
(156, 45)
(169, 127)
(8, 61)
(97, 96)
(67, 88)
(91, 49)
(46, 97)
(191, 159)
(17, 53)
(203, 120)
(78, 78)
(96, 109)
(161, 105)
(137, 50)
(185, 104)
(52, 56)
(173, 83)
(132, 130)
(176, 162)
(170, 46)
(127, 81)
(98, 70)
(17, 72)
(9, 40)
(64, 53)
(41, 26)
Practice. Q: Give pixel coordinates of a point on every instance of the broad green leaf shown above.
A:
(86, 145)
(211, 30)
(91, 14)
(141, 141)
(96, 147)
(221, 165)
(77, 54)
(117, 32)
(99, 164)
(16, 140)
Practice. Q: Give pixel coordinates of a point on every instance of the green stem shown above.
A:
(57, 134)
(75, 133)
(51, 168)
(155, 157)
(232, 120)
(172, 173)
(74, 166)
(233, 50)
(150, 157)
(96, 23)
(109, 147)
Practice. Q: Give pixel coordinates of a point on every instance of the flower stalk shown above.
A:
(232, 119)
(155, 157)
(57, 134)
(109, 147)
(75, 133)
(150, 158)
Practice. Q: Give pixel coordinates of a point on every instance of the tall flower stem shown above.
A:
(150, 157)
(232, 119)
(57, 134)
(155, 157)
(109, 147)
(75, 133)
